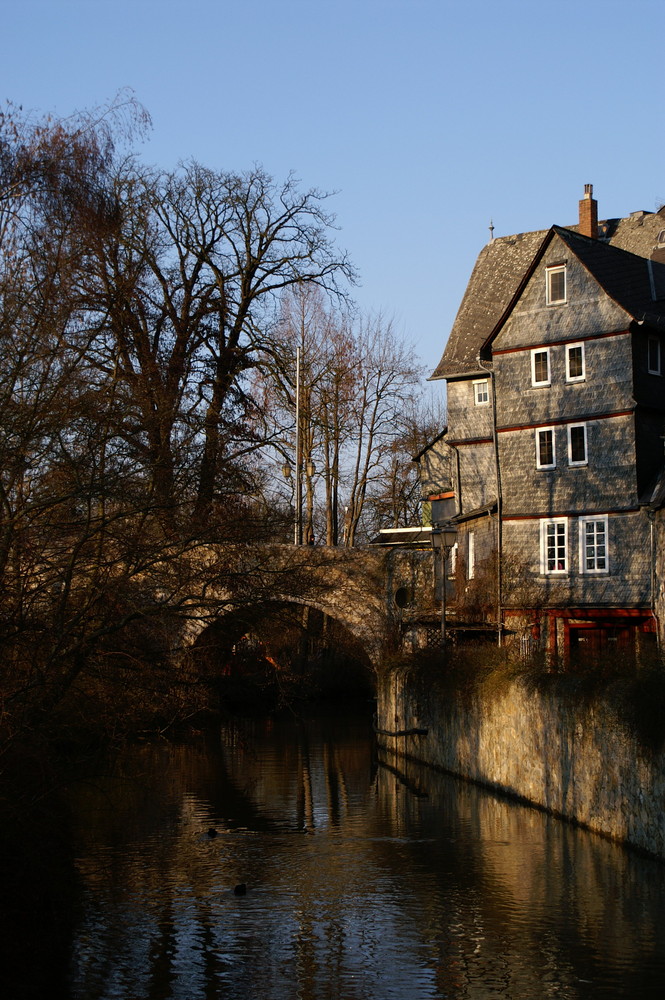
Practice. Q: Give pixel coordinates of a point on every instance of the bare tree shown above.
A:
(395, 499)
(358, 386)
(133, 307)
(54, 528)
(387, 377)
(184, 296)
(319, 332)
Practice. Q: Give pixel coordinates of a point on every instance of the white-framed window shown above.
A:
(577, 446)
(556, 284)
(471, 556)
(481, 392)
(545, 448)
(575, 369)
(540, 366)
(653, 354)
(594, 556)
(554, 545)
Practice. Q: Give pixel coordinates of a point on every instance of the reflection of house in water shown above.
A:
(553, 455)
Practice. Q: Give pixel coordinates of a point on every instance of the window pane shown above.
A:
(654, 355)
(557, 285)
(555, 548)
(540, 367)
(481, 391)
(545, 448)
(595, 546)
(575, 368)
(577, 444)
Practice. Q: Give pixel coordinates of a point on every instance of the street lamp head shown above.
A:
(444, 536)
(286, 470)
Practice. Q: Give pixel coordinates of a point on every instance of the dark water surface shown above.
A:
(362, 882)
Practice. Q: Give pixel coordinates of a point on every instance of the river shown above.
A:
(279, 859)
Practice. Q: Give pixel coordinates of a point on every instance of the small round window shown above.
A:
(402, 597)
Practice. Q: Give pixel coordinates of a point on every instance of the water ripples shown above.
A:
(355, 887)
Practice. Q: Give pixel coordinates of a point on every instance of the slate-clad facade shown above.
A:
(555, 371)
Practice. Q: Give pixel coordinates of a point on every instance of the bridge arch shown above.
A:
(363, 590)
(283, 644)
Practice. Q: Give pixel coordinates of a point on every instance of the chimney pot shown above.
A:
(588, 224)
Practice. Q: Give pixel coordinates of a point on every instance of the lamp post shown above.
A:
(287, 470)
(296, 483)
(298, 497)
(444, 536)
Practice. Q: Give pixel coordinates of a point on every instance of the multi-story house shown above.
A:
(555, 371)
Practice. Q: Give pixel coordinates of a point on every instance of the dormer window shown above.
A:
(556, 284)
(481, 392)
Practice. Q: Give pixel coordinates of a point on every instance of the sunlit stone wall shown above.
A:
(578, 761)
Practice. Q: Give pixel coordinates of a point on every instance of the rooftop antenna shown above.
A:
(491, 228)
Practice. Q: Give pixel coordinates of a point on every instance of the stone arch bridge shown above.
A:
(371, 592)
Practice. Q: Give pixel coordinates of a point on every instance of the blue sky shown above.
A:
(427, 117)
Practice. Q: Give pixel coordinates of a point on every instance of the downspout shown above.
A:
(499, 511)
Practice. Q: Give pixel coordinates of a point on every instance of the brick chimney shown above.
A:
(588, 213)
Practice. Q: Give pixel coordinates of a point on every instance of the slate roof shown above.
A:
(637, 233)
(497, 273)
(503, 263)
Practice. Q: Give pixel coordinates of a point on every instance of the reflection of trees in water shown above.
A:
(357, 886)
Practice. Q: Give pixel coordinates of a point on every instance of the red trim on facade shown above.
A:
(551, 636)
(611, 613)
(584, 419)
(589, 616)
(581, 613)
(441, 496)
(558, 343)
(574, 513)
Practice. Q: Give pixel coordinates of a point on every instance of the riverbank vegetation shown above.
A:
(477, 674)
(149, 325)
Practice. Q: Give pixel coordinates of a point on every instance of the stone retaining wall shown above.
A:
(580, 762)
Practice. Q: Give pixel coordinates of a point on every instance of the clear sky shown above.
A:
(429, 118)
